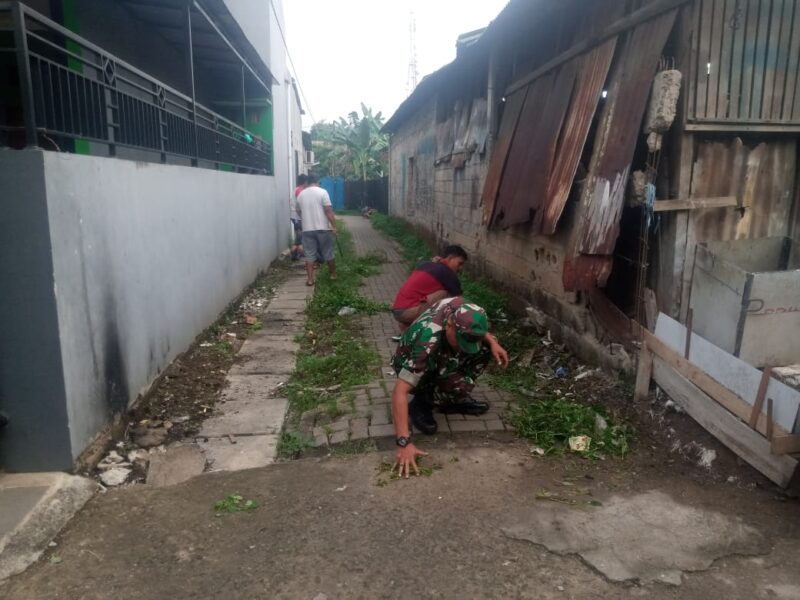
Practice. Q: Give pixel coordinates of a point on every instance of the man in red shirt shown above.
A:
(430, 282)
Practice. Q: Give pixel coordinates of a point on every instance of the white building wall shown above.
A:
(145, 257)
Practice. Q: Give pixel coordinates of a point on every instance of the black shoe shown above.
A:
(422, 417)
(466, 407)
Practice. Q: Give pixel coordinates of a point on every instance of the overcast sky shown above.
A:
(349, 51)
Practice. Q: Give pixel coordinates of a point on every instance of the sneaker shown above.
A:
(467, 406)
(421, 416)
(397, 338)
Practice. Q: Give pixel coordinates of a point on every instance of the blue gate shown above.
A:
(335, 188)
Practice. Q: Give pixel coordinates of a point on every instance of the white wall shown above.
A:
(145, 256)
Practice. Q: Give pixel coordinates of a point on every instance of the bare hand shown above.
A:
(406, 459)
(500, 355)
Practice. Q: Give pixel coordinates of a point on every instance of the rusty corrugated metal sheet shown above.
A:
(603, 196)
(508, 125)
(512, 193)
(762, 177)
(531, 156)
(588, 85)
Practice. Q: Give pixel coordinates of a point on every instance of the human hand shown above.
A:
(499, 354)
(406, 459)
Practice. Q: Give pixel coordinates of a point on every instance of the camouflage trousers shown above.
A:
(453, 380)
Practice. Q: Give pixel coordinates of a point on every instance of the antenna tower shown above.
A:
(411, 82)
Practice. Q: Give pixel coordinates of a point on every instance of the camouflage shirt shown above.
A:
(424, 349)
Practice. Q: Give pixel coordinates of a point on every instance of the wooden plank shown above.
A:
(743, 441)
(771, 60)
(710, 386)
(760, 60)
(650, 309)
(782, 59)
(647, 13)
(793, 64)
(694, 203)
(508, 126)
(770, 425)
(786, 444)
(759, 402)
(749, 59)
(644, 372)
(725, 59)
(738, 25)
(717, 11)
(703, 58)
(739, 377)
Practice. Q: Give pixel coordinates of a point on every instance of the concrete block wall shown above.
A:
(124, 263)
(528, 266)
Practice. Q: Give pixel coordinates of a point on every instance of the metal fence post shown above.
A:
(191, 81)
(24, 69)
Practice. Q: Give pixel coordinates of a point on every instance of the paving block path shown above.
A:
(367, 410)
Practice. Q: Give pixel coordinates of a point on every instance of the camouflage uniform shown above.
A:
(425, 360)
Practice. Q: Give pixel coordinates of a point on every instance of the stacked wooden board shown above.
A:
(756, 416)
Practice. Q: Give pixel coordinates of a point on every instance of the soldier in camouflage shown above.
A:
(439, 358)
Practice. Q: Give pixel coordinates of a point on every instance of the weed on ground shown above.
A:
(292, 444)
(234, 503)
(333, 355)
(558, 398)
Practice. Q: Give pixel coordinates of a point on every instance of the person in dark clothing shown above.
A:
(430, 282)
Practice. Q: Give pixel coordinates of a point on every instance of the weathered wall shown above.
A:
(445, 202)
(144, 257)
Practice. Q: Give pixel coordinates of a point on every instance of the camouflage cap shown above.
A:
(471, 326)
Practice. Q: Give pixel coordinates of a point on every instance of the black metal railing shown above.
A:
(72, 89)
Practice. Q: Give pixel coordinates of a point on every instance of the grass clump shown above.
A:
(292, 443)
(333, 355)
(234, 503)
(549, 423)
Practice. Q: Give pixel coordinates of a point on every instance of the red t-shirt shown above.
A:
(425, 280)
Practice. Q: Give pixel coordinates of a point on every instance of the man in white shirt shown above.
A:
(319, 227)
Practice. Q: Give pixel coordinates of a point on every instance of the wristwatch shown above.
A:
(402, 441)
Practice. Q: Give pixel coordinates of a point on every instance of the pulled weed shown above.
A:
(549, 423)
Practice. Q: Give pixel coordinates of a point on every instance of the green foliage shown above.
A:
(353, 148)
(550, 422)
(234, 503)
(292, 443)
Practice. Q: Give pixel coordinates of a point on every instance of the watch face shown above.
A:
(402, 442)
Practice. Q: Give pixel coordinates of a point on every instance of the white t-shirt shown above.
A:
(311, 205)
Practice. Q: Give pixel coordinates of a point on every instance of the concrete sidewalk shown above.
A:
(34, 507)
(245, 431)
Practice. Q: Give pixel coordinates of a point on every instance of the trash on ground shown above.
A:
(116, 476)
(346, 310)
(579, 443)
(537, 451)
